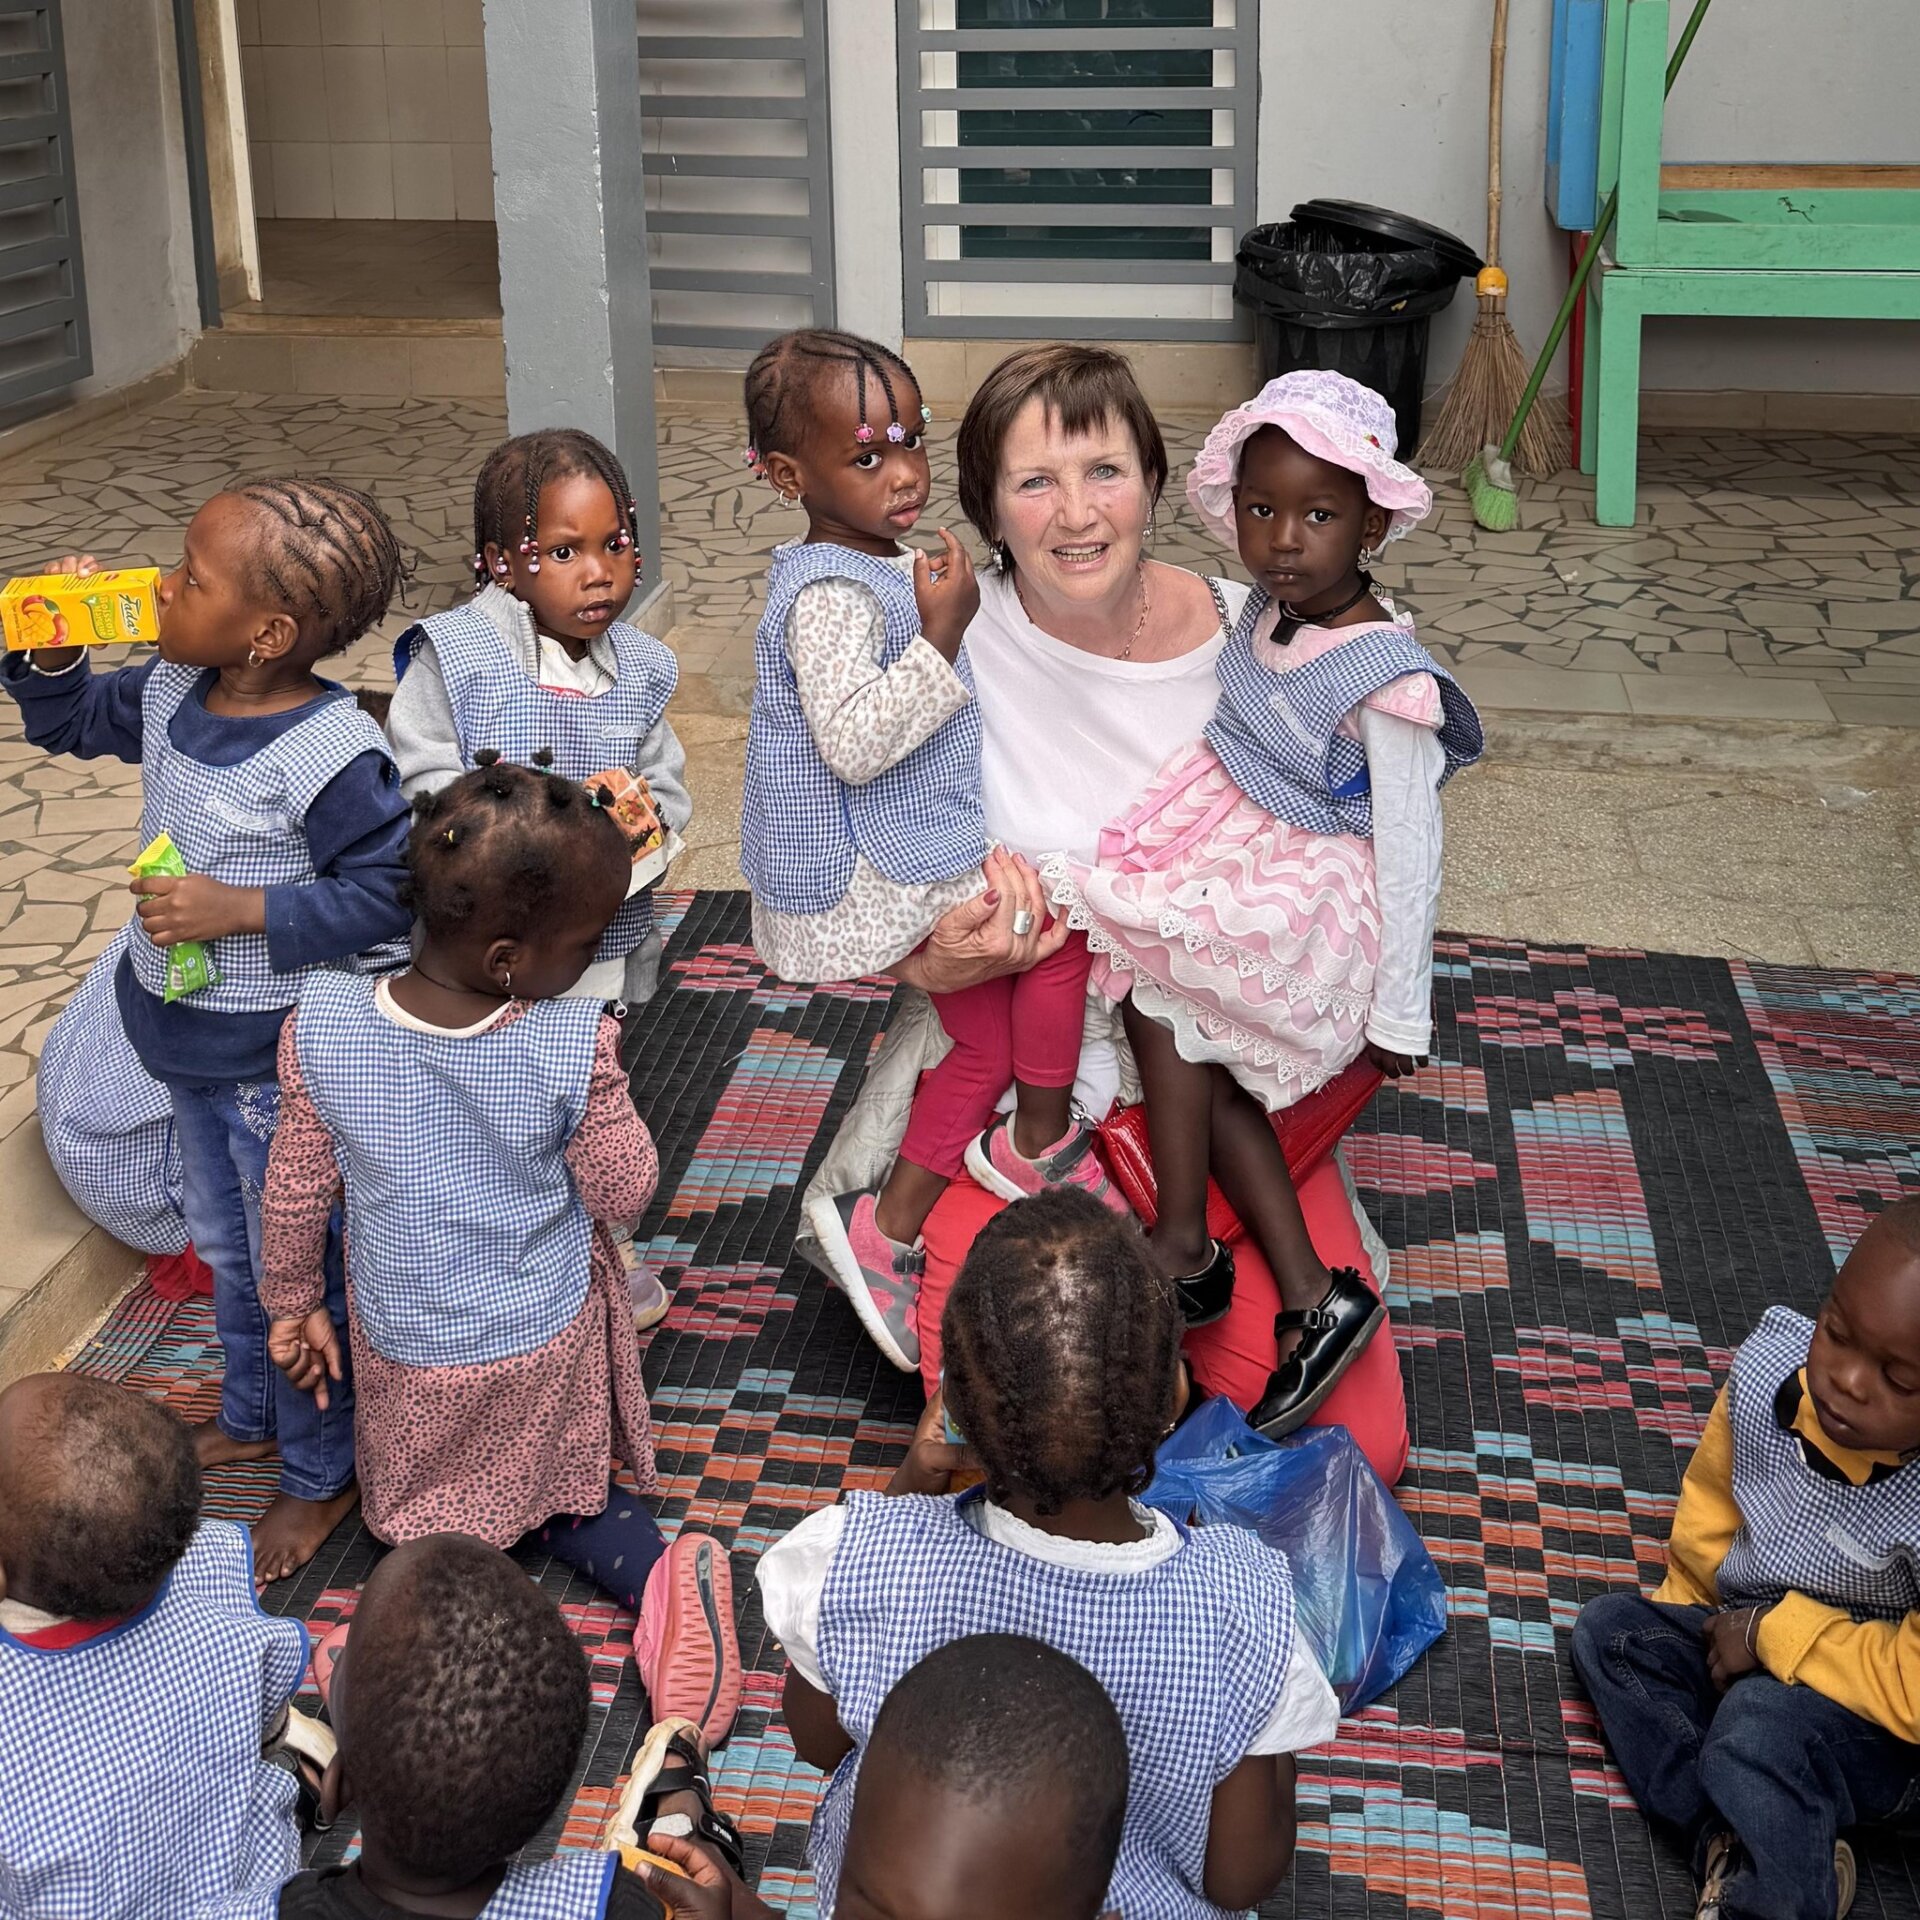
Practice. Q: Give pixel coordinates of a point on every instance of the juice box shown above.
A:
(100, 609)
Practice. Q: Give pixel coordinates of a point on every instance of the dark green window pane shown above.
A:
(1078, 186)
(1106, 127)
(1084, 13)
(1085, 243)
(1142, 67)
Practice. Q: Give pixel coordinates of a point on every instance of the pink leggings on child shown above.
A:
(1021, 1026)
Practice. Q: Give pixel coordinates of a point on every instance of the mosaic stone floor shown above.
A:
(1616, 1161)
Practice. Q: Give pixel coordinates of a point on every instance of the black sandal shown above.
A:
(1205, 1296)
(1332, 1337)
(669, 1760)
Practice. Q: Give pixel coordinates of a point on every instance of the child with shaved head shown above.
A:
(140, 1684)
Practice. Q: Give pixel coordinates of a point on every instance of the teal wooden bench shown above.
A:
(1830, 243)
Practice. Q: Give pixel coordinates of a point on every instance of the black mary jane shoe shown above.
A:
(1205, 1296)
(1332, 1336)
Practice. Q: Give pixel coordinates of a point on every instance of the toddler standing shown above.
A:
(1267, 908)
(539, 668)
(1767, 1698)
(862, 820)
(279, 794)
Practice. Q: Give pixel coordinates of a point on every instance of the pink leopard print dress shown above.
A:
(497, 1448)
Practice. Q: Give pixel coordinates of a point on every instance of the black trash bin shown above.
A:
(1353, 289)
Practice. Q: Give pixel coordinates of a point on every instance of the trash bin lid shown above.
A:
(1381, 223)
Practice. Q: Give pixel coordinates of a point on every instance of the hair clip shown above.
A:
(896, 433)
(863, 433)
(596, 797)
(926, 414)
(751, 457)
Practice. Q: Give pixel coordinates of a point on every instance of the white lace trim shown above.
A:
(1174, 925)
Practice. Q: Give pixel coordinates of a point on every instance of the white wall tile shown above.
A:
(413, 23)
(417, 93)
(422, 181)
(260, 165)
(362, 180)
(296, 95)
(472, 181)
(246, 22)
(290, 23)
(302, 180)
(462, 19)
(351, 23)
(467, 93)
(356, 94)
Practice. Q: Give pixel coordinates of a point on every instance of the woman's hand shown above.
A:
(933, 1459)
(976, 940)
(947, 594)
(1396, 1066)
(307, 1351)
(189, 906)
(1732, 1644)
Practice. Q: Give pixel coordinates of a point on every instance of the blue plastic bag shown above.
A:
(1369, 1599)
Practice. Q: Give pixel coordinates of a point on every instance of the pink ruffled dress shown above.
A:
(1253, 940)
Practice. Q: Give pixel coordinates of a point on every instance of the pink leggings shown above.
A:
(1021, 1026)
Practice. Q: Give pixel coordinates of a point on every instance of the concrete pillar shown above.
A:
(563, 91)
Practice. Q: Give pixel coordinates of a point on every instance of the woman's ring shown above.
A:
(935, 575)
(1022, 923)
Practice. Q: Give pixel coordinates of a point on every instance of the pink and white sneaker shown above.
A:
(1002, 1168)
(879, 1276)
(684, 1643)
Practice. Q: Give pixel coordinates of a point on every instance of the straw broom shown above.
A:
(1493, 371)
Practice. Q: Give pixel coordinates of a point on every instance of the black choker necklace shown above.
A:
(1299, 619)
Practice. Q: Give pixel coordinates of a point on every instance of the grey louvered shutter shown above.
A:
(43, 296)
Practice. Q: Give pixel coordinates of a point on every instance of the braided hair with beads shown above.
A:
(787, 372)
(509, 845)
(506, 494)
(1062, 1346)
(325, 552)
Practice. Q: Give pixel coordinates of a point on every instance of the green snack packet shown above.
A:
(189, 965)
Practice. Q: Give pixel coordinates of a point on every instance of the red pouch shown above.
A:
(1308, 1131)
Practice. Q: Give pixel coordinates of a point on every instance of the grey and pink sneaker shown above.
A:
(1002, 1168)
(880, 1276)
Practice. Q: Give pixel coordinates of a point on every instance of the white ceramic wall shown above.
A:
(367, 109)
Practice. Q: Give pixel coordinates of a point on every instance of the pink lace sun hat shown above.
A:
(1333, 418)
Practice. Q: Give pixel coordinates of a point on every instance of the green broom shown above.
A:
(1489, 475)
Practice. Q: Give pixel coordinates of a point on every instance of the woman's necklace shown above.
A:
(1139, 626)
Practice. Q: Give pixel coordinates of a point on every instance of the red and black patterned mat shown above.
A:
(1616, 1163)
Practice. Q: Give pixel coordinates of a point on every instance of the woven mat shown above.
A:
(1617, 1161)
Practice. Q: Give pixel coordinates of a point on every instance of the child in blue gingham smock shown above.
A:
(1191, 1632)
(461, 1704)
(280, 797)
(861, 820)
(481, 1126)
(1766, 1699)
(145, 1713)
(539, 668)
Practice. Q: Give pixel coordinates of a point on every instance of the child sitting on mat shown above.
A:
(1767, 1698)
(1062, 1360)
(460, 1703)
(996, 1782)
(481, 1125)
(145, 1717)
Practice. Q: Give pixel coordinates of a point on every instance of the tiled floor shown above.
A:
(379, 269)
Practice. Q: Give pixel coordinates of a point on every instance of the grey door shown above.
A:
(43, 296)
(739, 200)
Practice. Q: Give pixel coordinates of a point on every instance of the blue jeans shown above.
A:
(225, 1132)
(1783, 1768)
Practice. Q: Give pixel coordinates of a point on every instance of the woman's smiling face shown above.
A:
(1072, 507)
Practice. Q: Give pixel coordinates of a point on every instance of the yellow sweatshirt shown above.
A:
(1870, 1667)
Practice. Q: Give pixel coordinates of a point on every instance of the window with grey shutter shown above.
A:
(43, 298)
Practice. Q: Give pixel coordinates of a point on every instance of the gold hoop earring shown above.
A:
(506, 975)
(253, 656)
